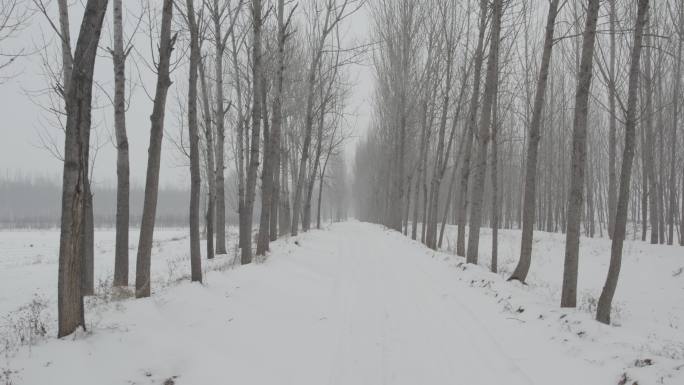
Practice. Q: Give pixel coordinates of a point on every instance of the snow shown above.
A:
(28, 262)
(358, 304)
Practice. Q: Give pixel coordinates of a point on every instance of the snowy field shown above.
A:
(352, 304)
(28, 262)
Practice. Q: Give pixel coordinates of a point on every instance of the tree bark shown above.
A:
(320, 192)
(421, 155)
(246, 228)
(649, 141)
(276, 123)
(87, 228)
(193, 133)
(219, 115)
(67, 59)
(78, 107)
(483, 137)
(284, 217)
(530, 192)
(264, 235)
(677, 74)
(88, 236)
(239, 143)
(606, 298)
(579, 149)
(122, 159)
(142, 272)
(612, 126)
(681, 222)
(211, 167)
(495, 186)
(471, 126)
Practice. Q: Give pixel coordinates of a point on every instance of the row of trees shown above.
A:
(266, 98)
(474, 122)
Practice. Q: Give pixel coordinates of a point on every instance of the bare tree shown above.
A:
(220, 11)
(523, 267)
(676, 95)
(210, 156)
(470, 131)
(484, 136)
(649, 177)
(87, 238)
(612, 130)
(166, 43)
(193, 132)
(246, 214)
(276, 124)
(119, 55)
(606, 298)
(579, 149)
(78, 107)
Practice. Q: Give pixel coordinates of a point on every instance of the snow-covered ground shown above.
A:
(28, 262)
(356, 304)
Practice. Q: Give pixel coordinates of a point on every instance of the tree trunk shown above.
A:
(78, 107)
(612, 127)
(421, 155)
(87, 228)
(579, 149)
(483, 137)
(88, 236)
(320, 194)
(649, 141)
(219, 114)
(606, 298)
(661, 162)
(211, 168)
(122, 160)
(308, 126)
(530, 192)
(471, 126)
(264, 235)
(681, 222)
(276, 123)
(445, 213)
(495, 186)
(591, 227)
(239, 141)
(284, 218)
(67, 59)
(246, 228)
(306, 215)
(142, 272)
(644, 178)
(193, 133)
(442, 156)
(677, 74)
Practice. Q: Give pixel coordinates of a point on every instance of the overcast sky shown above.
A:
(23, 118)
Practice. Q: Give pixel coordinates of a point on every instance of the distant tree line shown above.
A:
(27, 202)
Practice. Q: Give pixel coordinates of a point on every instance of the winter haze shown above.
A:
(342, 192)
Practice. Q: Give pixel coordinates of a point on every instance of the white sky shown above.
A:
(23, 118)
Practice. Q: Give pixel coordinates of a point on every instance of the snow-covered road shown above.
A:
(404, 320)
(354, 304)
